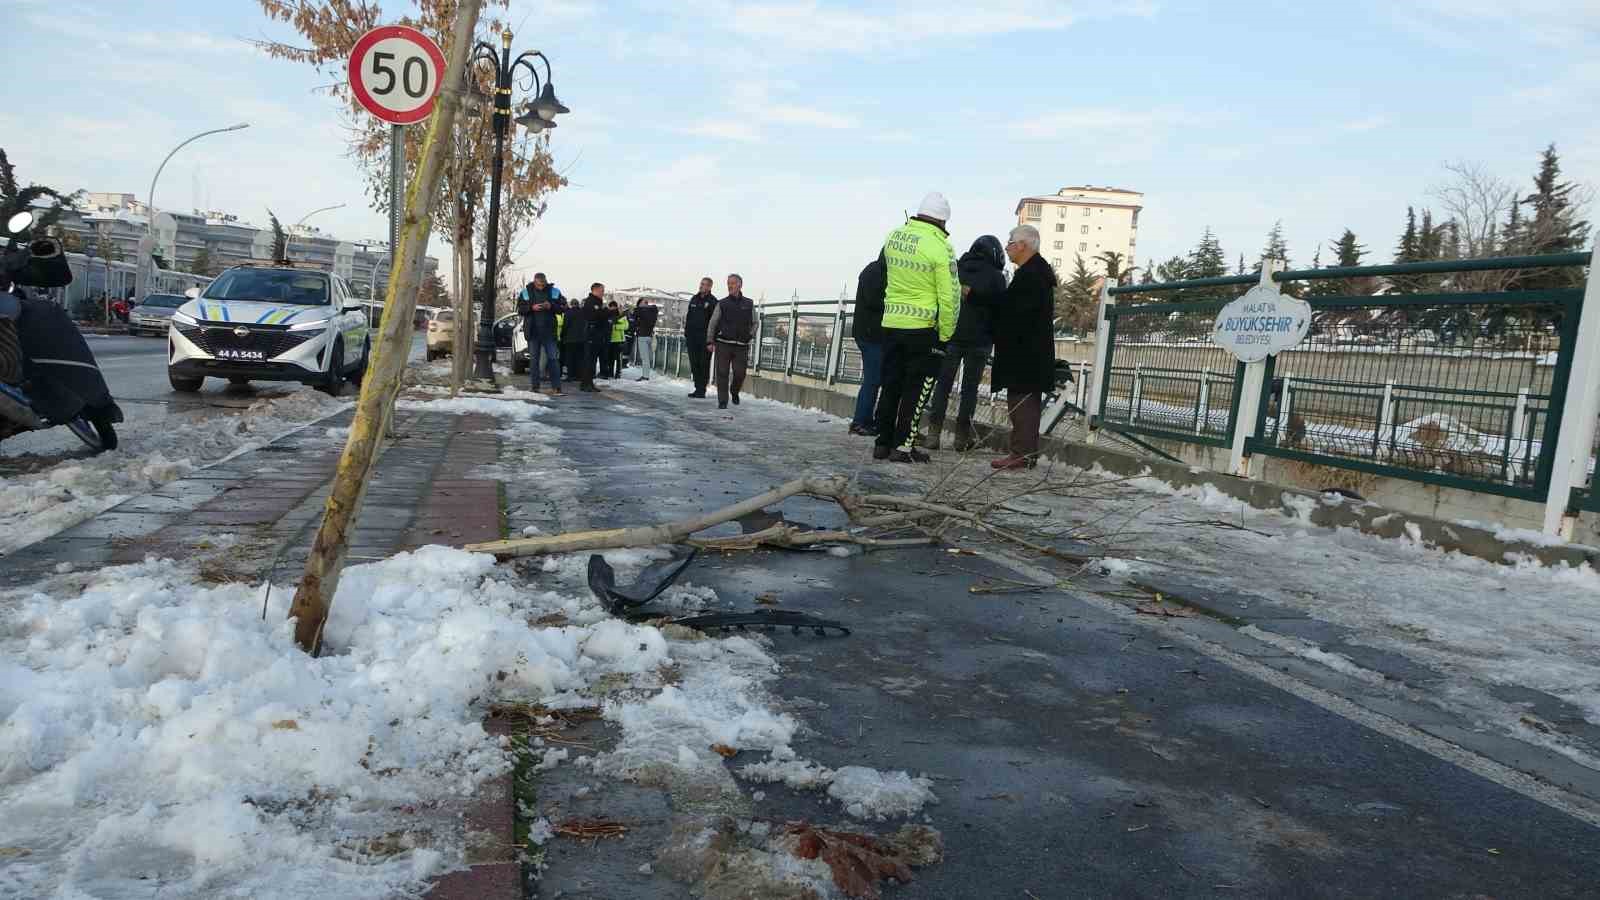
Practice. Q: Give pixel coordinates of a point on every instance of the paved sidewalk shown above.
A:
(1076, 749)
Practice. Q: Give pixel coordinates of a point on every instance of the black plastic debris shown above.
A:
(764, 620)
(603, 582)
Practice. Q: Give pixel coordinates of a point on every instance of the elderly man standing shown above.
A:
(1024, 345)
(920, 305)
(728, 335)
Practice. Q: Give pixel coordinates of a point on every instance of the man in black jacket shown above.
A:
(595, 326)
(866, 328)
(695, 320)
(574, 338)
(981, 271)
(539, 305)
(729, 333)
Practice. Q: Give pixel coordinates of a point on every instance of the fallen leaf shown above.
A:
(12, 852)
(860, 861)
(286, 725)
(724, 750)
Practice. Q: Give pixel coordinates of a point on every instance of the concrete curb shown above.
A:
(1325, 510)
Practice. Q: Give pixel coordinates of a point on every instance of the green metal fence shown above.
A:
(1165, 378)
(773, 338)
(1459, 387)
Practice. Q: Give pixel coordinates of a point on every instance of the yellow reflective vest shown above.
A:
(561, 322)
(619, 330)
(923, 290)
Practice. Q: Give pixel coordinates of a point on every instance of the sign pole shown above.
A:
(397, 186)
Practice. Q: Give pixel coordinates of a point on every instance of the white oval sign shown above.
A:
(1261, 323)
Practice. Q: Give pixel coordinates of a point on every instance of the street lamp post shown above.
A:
(315, 211)
(538, 116)
(142, 275)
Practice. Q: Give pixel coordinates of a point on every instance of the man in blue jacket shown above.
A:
(539, 304)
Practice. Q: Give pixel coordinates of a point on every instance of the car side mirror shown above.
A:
(353, 307)
(192, 293)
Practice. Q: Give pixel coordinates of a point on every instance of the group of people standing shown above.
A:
(585, 340)
(922, 316)
(593, 337)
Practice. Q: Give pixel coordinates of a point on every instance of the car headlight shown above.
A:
(183, 319)
(310, 326)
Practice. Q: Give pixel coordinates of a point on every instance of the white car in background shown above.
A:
(508, 333)
(269, 323)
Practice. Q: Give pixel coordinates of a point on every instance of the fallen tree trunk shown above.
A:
(782, 536)
(666, 532)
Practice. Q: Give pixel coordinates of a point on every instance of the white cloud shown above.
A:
(725, 130)
(1371, 123)
(1093, 122)
(783, 114)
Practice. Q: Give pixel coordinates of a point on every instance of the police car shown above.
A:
(269, 322)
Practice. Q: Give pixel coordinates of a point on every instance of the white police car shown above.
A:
(269, 323)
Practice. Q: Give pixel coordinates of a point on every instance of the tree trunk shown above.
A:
(314, 594)
(667, 532)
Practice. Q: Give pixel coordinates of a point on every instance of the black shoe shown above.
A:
(879, 451)
(722, 406)
(735, 399)
(863, 430)
(698, 395)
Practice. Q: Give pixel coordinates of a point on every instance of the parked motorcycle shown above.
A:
(60, 383)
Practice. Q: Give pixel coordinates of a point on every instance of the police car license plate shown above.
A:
(246, 355)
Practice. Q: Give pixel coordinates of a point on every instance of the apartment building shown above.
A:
(114, 223)
(1084, 221)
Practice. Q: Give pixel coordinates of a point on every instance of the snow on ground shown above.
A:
(508, 408)
(36, 505)
(1479, 624)
(864, 793)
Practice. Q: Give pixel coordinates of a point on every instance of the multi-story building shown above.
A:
(1084, 221)
(113, 224)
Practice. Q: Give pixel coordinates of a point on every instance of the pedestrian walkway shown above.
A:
(1075, 749)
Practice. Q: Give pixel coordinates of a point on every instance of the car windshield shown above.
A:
(270, 286)
(165, 301)
(444, 315)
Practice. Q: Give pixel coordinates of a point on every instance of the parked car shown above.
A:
(260, 322)
(441, 333)
(508, 333)
(154, 314)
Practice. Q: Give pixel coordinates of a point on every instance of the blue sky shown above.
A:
(784, 139)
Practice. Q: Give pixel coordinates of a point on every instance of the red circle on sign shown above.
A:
(358, 55)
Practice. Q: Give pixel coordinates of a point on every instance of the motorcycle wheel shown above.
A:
(89, 434)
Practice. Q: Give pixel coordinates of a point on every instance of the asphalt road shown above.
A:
(136, 370)
(1075, 752)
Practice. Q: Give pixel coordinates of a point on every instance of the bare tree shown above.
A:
(1477, 201)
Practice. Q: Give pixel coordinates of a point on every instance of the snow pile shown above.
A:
(159, 737)
(870, 794)
(513, 409)
(864, 793)
(35, 506)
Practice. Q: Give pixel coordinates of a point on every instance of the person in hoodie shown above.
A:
(981, 271)
(574, 339)
(539, 305)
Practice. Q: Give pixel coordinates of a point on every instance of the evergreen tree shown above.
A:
(202, 262)
(1149, 276)
(1276, 247)
(1077, 300)
(1207, 260)
(1347, 254)
(1430, 247)
(1174, 269)
(1552, 225)
(1240, 270)
(1406, 252)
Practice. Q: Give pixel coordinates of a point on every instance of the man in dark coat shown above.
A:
(645, 314)
(866, 329)
(695, 320)
(574, 338)
(981, 271)
(539, 305)
(595, 324)
(728, 335)
(1024, 345)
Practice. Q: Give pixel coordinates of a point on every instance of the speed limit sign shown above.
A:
(395, 72)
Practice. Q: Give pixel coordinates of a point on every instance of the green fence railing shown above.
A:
(1164, 376)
